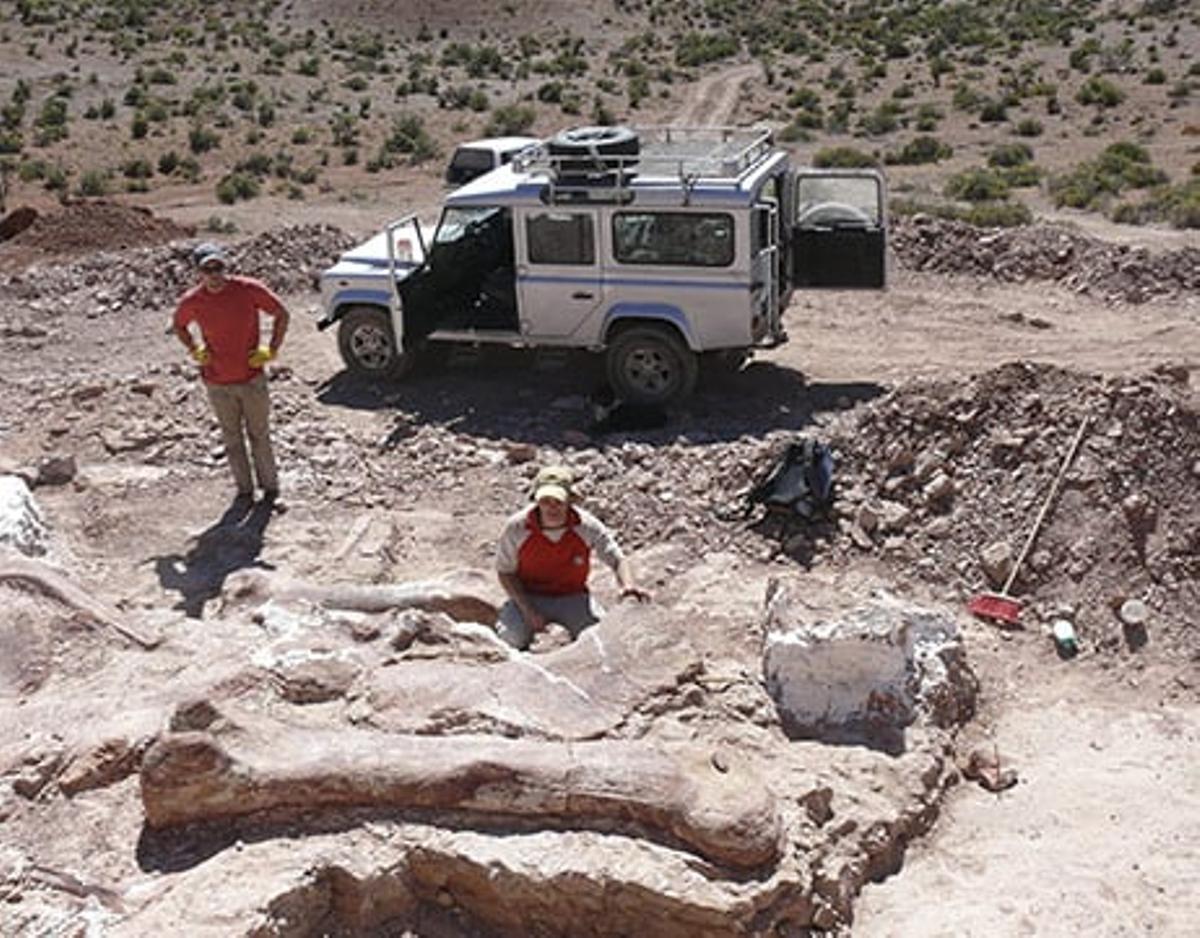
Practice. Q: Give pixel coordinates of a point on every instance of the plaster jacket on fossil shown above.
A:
(724, 814)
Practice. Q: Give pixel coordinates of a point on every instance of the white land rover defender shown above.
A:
(652, 247)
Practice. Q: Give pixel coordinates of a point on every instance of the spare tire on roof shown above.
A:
(583, 150)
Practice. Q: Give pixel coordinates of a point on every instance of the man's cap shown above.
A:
(207, 253)
(553, 482)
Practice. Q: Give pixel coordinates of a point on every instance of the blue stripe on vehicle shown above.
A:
(643, 311)
(641, 282)
(374, 297)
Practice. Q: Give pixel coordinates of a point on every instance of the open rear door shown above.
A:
(839, 229)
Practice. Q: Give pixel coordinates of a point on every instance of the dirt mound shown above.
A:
(289, 260)
(95, 225)
(1045, 252)
(937, 474)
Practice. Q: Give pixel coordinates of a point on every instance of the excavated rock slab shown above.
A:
(465, 595)
(637, 653)
(884, 663)
(728, 816)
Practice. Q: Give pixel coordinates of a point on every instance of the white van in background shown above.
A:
(482, 156)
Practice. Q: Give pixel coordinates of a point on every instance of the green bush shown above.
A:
(1100, 92)
(237, 186)
(919, 150)
(976, 185)
(93, 183)
(1122, 165)
(511, 120)
(409, 136)
(137, 169)
(701, 48)
(203, 139)
(1029, 127)
(1156, 76)
(842, 158)
(168, 162)
(1010, 154)
(1002, 214)
(1021, 177)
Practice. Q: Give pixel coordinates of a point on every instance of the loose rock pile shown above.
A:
(1112, 272)
(289, 260)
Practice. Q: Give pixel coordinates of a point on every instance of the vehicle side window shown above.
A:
(561, 238)
(684, 239)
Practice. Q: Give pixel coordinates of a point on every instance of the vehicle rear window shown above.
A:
(561, 238)
(684, 239)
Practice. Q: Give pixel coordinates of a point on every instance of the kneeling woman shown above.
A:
(544, 558)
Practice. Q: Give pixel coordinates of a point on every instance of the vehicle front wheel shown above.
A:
(368, 346)
(651, 365)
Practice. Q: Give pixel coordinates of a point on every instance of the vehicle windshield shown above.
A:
(457, 223)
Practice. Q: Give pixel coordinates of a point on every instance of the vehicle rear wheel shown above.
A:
(651, 365)
(368, 346)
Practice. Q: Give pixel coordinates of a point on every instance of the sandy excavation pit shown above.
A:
(296, 725)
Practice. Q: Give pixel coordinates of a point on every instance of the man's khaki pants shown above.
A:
(243, 410)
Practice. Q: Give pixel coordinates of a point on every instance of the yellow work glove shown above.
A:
(260, 356)
(200, 354)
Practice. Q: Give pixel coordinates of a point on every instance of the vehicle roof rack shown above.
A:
(682, 156)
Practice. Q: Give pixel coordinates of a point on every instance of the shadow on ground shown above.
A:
(233, 542)
(516, 395)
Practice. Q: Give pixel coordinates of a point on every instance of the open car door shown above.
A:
(839, 229)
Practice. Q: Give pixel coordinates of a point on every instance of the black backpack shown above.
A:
(800, 482)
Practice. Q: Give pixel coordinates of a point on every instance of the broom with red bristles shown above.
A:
(1002, 607)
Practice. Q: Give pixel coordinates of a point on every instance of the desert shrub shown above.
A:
(1010, 154)
(928, 117)
(1029, 127)
(1122, 165)
(202, 139)
(511, 119)
(550, 92)
(137, 169)
(302, 136)
(1099, 91)
(168, 162)
(409, 136)
(976, 185)
(235, 186)
(882, 120)
(309, 67)
(11, 141)
(1155, 76)
(1001, 214)
(993, 111)
(1021, 177)
(701, 48)
(93, 183)
(55, 179)
(257, 163)
(50, 126)
(919, 150)
(1004, 214)
(842, 158)
(1178, 205)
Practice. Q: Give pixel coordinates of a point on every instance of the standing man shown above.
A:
(543, 561)
(231, 357)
